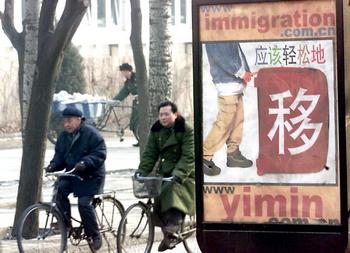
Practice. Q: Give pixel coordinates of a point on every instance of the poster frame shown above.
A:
(302, 234)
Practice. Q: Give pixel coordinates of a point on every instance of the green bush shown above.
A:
(71, 77)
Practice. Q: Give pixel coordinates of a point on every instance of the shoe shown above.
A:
(96, 242)
(167, 243)
(210, 169)
(136, 144)
(236, 159)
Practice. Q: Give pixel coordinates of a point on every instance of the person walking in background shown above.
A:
(130, 87)
(81, 147)
(230, 74)
(171, 142)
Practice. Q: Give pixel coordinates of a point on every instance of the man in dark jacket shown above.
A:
(171, 142)
(130, 87)
(81, 147)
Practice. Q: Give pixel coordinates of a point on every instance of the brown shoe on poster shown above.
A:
(210, 169)
(236, 159)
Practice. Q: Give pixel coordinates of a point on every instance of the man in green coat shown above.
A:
(130, 87)
(171, 143)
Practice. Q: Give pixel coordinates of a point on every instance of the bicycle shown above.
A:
(41, 227)
(109, 110)
(98, 114)
(136, 231)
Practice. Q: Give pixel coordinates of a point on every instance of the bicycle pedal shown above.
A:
(176, 236)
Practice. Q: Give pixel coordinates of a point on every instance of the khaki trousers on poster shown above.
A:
(227, 128)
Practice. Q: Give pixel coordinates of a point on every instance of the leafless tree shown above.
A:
(141, 70)
(52, 40)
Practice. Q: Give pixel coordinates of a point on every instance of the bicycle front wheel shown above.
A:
(136, 230)
(188, 233)
(109, 212)
(41, 229)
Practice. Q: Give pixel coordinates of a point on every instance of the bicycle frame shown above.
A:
(53, 202)
(137, 226)
(149, 207)
(98, 200)
(109, 111)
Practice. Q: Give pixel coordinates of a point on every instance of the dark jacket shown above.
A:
(174, 148)
(88, 145)
(130, 87)
(225, 60)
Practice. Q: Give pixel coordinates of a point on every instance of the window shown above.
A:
(183, 11)
(178, 12)
(115, 12)
(101, 12)
(108, 13)
(89, 15)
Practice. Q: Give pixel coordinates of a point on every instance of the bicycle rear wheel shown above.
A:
(41, 229)
(188, 232)
(109, 212)
(55, 126)
(136, 230)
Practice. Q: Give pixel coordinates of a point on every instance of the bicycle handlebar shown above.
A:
(63, 173)
(114, 103)
(167, 179)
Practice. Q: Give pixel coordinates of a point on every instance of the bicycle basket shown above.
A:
(147, 188)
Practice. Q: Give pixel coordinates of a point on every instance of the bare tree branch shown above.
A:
(72, 15)
(47, 16)
(9, 9)
(14, 36)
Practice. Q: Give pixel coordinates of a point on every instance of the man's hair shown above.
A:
(125, 66)
(168, 103)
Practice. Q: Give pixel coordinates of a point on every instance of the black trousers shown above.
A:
(86, 209)
(172, 220)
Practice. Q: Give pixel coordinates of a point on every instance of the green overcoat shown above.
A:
(174, 149)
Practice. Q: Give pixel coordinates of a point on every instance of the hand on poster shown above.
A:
(247, 76)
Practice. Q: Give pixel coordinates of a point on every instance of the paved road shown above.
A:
(121, 161)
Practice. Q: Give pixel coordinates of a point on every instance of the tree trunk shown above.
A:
(31, 28)
(160, 72)
(51, 44)
(141, 70)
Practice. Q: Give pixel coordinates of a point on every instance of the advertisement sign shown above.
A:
(270, 115)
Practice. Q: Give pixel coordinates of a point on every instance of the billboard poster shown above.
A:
(270, 141)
